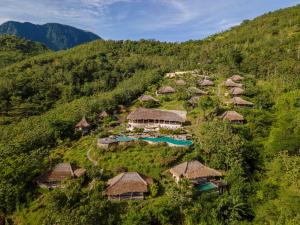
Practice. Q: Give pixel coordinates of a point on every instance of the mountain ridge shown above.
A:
(55, 36)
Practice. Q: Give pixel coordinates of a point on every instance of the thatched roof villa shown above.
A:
(194, 100)
(156, 119)
(193, 170)
(82, 124)
(147, 98)
(127, 186)
(238, 101)
(231, 83)
(107, 143)
(180, 82)
(232, 116)
(206, 83)
(237, 91)
(103, 115)
(196, 91)
(61, 172)
(236, 78)
(166, 90)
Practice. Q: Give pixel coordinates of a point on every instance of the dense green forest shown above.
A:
(44, 94)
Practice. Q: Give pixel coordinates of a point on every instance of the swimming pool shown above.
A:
(171, 141)
(205, 187)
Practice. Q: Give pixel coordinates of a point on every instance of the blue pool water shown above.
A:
(205, 187)
(169, 140)
(158, 140)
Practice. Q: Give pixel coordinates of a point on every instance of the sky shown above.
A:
(164, 20)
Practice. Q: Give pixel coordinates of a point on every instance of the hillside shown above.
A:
(45, 96)
(55, 36)
(13, 49)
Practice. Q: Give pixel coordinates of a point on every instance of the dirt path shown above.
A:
(88, 155)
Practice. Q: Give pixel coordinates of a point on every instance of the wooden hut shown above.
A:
(206, 83)
(58, 174)
(180, 82)
(194, 101)
(103, 115)
(236, 78)
(238, 101)
(232, 116)
(230, 83)
(237, 91)
(148, 98)
(107, 143)
(194, 171)
(156, 119)
(128, 186)
(166, 90)
(196, 91)
(83, 126)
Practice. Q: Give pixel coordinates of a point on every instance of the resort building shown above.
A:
(180, 82)
(196, 91)
(128, 186)
(206, 83)
(60, 173)
(170, 75)
(83, 126)
(230, 83)
(103, 115)
(236, 78)
(237, 91)
(194, 101)
(194, 171)
(237, 101)
(148, 98)
(166, 90)
(107, 143)
(233, 117)
(154, 119)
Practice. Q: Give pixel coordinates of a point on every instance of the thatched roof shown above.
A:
(80, 172)
(180, 82)
(241, 102)
(232, 116)
(82, 123)
(237, 91)
(103, 114)
(206, 82)
(61, 171)
(166, 90)
(128, 182)
(231, 83)
(237, 78)
(194, 100)
(156, 114)
(148, 98)
(107, 140)
(197, 91)
(193, 170)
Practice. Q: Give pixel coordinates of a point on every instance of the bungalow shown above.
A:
(156, 119)
(83, 126)
(170, 75)
(166, 90)
(107, 143)
(194, 101)
(196, 91)
(60, 173)
(194, 171)
(230, 83)
(236, 78)
(180, 82)
(237, 91)
(103, 115)
(148, 98)
(237, 101)
(206, 83)
(128, 186)
(232, 116)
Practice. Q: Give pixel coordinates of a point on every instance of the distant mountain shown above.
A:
(55, 36)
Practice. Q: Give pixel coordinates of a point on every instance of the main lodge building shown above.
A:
(156, 119)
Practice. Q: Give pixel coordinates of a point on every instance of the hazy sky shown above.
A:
(166, 20)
